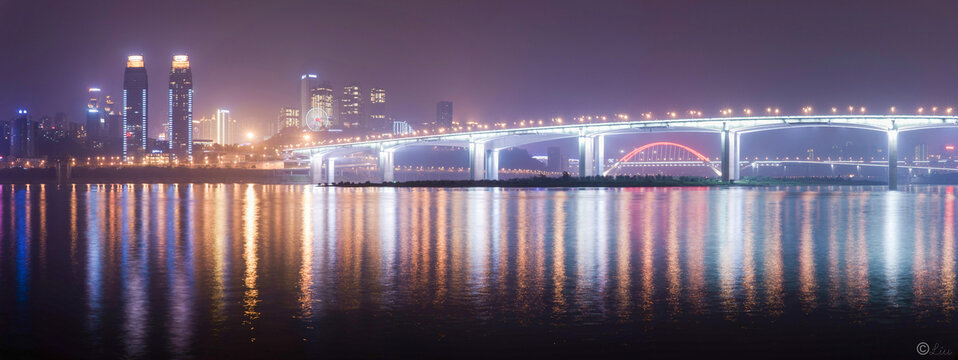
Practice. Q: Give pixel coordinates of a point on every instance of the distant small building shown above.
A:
(555, 161)
(444, 114)
(401, 128)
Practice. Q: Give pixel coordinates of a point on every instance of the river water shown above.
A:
(288, 271)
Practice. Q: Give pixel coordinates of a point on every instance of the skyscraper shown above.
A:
(307, 83)
(224, 128)
(114, 122)
(92, 126)
(377, 110)
(351, 113)
(96, 98)
(321, 97)
(23, 136)
(288, 117)
(206, 128)
(95, 118)
(181, 109)
(134, 107)
(444, 114)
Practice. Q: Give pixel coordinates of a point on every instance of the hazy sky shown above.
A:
(494, 59)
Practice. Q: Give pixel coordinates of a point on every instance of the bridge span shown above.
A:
(484, 145)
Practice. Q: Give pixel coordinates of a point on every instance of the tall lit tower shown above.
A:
(377, 110)
(307, 83)
(134, 107)
(321, 97)
(352, 110)
(181, 110)
(94, 115)
(224, 127)
(23, 136)
(96, 98)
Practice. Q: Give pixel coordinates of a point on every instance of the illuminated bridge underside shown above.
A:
(484, 145)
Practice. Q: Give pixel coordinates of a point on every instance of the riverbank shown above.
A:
(151, 174)
(618, 181)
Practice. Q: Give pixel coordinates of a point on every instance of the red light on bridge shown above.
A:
(949, 147)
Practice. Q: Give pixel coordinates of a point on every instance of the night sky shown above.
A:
(496, 60)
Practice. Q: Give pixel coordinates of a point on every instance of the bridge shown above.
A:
(484, 145)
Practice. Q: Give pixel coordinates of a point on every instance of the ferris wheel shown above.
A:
(317, 119)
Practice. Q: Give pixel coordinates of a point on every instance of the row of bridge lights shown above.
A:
(807, 110)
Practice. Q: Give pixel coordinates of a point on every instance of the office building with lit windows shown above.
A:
(134, 107)
(23, 136)
(351, 113)
(307, 83)
(224, 128)
(377, 110)
(95, 120)
(288, 117)
(322, 97)
(114, 121)
(181, 110)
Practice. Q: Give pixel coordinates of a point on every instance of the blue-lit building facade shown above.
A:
(134, 107)
(23, 136)
(181, 110)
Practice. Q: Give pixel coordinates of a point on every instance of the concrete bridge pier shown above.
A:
(316, 171)
(330, 171)
(316, 167)
(892, 159)
(387, 165)
(730, 155)
(586, 156)
(591, 155)
(599, 152)
(478, 160)
(492, 164)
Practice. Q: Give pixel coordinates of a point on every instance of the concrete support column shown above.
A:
(331, 171)
(316, 168)
(586, 156)
(477, 160)
(892, 159)
(492, 164)
(599, 155)
(387, 165)
(730, 156)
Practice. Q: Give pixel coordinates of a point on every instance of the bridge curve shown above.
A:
(483, 143)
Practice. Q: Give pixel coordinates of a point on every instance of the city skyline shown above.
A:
(686, 70)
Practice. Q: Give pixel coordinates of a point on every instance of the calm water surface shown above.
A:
(274, 271)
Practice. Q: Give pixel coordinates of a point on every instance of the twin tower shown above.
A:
(135, 118)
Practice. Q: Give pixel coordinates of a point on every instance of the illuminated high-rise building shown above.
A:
(321, 97)
(95, 118)
(307, 83)
(134, 130)
(377, 110)
(288, 117)
(351, 113)
(444, 114)
(205, 128)
(23, 136)
(181, 109)
(224, 128)
(96, 98)
(114, 120)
